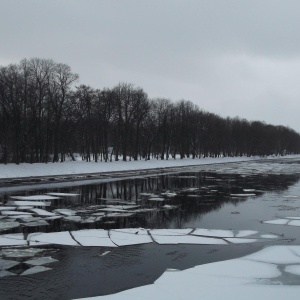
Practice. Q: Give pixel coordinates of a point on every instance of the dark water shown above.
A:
(83, 272)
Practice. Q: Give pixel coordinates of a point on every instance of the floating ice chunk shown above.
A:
(65, 211)
(73, 218)
(8, 225)
(294, 223)
(249, 190)
(293, 269)
(36, 269)
(243, 233)
(119, 215)
(15, 213)
(187, 239)
(13, 239)
(171, 232)
(63, 194)
(268, 236)
(53, 218)
(88, 220)
(7, 264)
(290, 196)
(36, 223)
(131, 236)
(98, 214)
(111, 209)
(29, 219)
(143, 210)
(2, 208)
(168, 194)
(167, 206)
(277, 222)
(4, 273)
(93, 237)
(34, 197)
(240, 240)
(105, 253)
(17, 253)
(158, 199)
(213, 232)
(41, 261)
(59, 238)
(42, 212)
(123, 207)
(243, 195)
(277, 255)
(28, 203)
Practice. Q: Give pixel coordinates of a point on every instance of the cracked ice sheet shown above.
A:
(93, 237)
(13, 239)
(277, 255)
(214, 232)
(187, 239)
(130, 236)
(171, 231)
(59, 238)
(234, 279)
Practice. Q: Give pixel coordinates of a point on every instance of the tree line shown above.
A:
(45, 116)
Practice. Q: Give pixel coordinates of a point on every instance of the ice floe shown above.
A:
(20, 253)
(291, 221)
(293, 269)
(13, 239)
(36, 269)
(131, 236)
(35, 197)
(4, 273)
(7, 264)
(42, 212)
(40, 261)
(65, 211)
(243, 195)
(63, 194)
(60, 238)
(256, 276)
(27, 203)
(93, 237)
(8, 225)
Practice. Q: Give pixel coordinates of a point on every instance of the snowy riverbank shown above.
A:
(80, 167)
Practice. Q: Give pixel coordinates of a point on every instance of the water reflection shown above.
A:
(194, 194)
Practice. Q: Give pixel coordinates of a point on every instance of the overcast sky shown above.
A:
(231, 57)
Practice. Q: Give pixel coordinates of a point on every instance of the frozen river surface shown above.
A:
(73, 246)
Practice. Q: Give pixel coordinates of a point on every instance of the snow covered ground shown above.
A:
(80, 167)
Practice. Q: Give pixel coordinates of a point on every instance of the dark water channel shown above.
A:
(203, 201)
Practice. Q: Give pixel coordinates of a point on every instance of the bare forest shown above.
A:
(46, 115)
